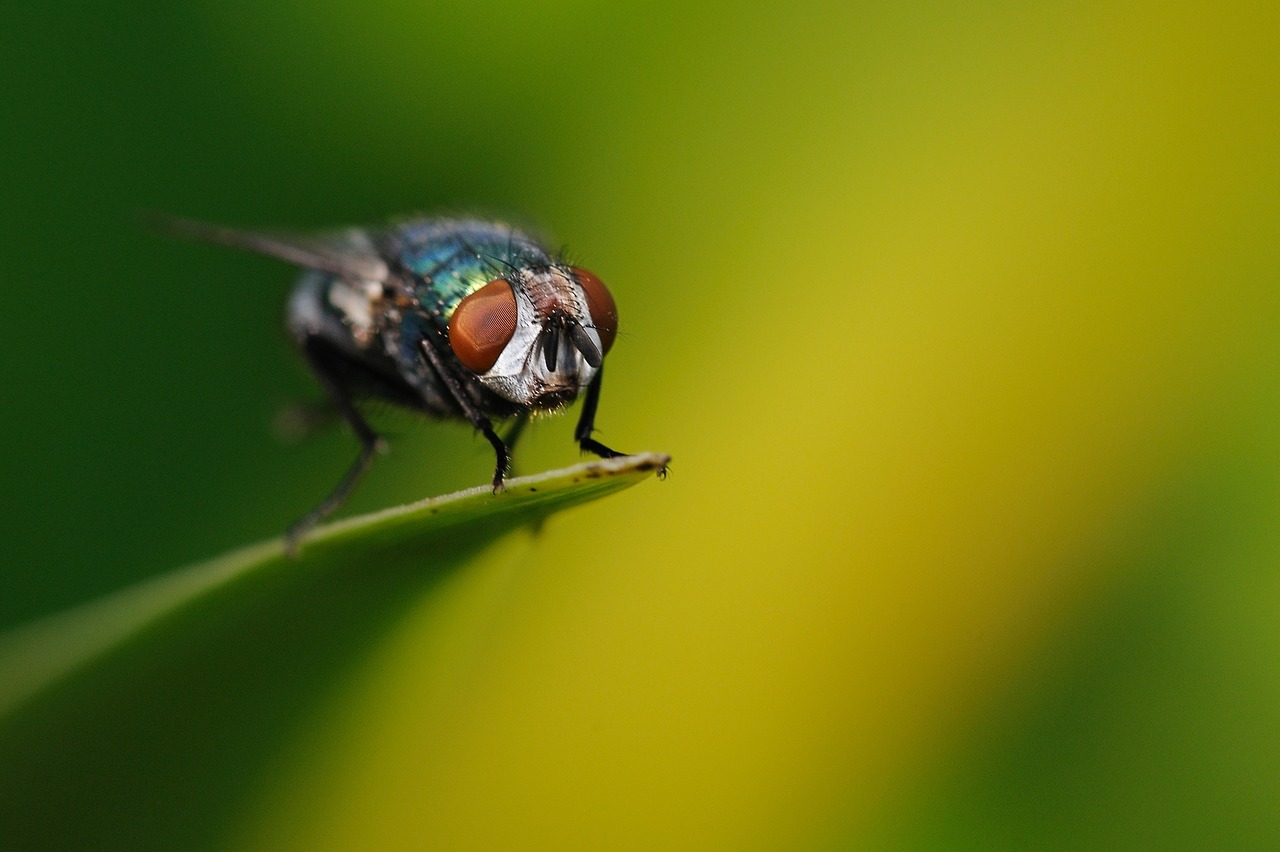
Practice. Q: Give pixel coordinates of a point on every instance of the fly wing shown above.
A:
(349, 255)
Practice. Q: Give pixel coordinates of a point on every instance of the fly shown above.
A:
(456, 318)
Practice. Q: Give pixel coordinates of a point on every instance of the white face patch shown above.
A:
(544, 298)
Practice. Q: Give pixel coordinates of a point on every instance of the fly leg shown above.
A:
(370, 444)
(513, 435)
(587, 425)
(587, 422)
(473, 414)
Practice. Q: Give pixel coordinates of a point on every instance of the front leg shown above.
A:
(587, 422)
(469, 410)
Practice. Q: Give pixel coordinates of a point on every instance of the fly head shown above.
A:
(536, 336)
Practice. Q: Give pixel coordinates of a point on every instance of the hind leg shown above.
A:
(371, 443)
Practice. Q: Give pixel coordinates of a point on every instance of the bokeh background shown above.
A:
(961, 322)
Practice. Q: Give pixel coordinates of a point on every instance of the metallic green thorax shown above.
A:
(454, 258)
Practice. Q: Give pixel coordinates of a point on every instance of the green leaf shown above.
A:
(181, 687)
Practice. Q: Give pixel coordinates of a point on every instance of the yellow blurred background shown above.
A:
(961, 323)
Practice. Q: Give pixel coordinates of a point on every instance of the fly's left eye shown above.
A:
(482, 325)
(604, 313)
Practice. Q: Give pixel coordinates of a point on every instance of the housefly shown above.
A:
(456, 318)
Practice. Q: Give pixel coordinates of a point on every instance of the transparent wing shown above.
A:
(349, 255)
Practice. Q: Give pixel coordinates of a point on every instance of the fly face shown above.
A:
(538, 336)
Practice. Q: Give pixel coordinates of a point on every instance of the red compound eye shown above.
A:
(604, 313)
(482, 325)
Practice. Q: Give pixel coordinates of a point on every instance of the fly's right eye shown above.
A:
(482, 325)
(603, 311)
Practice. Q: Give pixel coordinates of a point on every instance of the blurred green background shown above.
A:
(960, 320)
